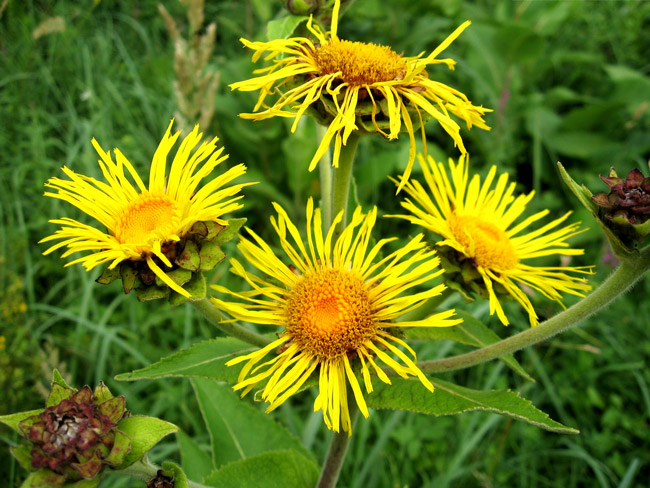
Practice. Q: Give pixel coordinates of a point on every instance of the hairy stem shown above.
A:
(210, 312)
(617, 283)
(336, 454)
(342, 180)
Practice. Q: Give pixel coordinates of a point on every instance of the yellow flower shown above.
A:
(342, 74)
(142, 223)
(336, 306)
(477, 222)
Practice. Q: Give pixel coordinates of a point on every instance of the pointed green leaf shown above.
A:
(203, 360)
(23, 455)
(472, 332)
(58, 394)
(145, 432)
(152, 292)
(195, 461)
(284, 27)
(230, 231)
(449, 399)
(84, 483)
(57, 378)
(285, 468)
(237, 430)
(173, 469)
(12, 420)
(101, 393)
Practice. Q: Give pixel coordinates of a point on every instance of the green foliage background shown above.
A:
(569, 81)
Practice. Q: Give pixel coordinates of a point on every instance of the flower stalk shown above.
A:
(342, 180)
(628, 273)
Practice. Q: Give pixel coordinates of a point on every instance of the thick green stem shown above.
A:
(213, 315)
(146, 470)
(342, 180)
(617, 283)
(336, 455)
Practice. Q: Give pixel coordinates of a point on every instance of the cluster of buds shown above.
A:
(626, 208)
(199, 250)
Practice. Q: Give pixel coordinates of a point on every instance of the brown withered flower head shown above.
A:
(626, 208)
(77, 436)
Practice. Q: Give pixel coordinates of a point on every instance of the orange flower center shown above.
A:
(359, 63)
(147, 218)
(329, 313)
(488, 245)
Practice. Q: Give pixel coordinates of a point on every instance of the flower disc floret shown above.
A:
(329, 313)
(359, 63)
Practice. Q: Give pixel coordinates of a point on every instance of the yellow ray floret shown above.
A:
(336, 303)
(347, 73)
(140, 220)
(477, 220)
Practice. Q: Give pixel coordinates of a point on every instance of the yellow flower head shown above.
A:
(478, 223)
(336, 306)
(142, 222)
(347, 73)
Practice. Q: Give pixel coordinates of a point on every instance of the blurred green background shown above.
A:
(568, 81)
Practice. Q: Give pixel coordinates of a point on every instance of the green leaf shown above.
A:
(449, 399)
(195, 461)
(180, 478)
(237, 430)
(84, 483)
(231, 230)
(121, 447)
(145, 432)
(57, 378)
(43, 478)
(472, 332)
(285, 468)
(203, 360)
(284, 27)
(584, 195)
(12, 420)
(23, 455)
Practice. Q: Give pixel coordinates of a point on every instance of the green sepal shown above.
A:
(90, 468)
(43, 478)
(584, 195)
(189, 258)
(230, 231)
(57, 378)
(108, 276)
(179, 276)
(114, 408)
(151, 293)
(129, 277)
(207, 230)
(121, 447)
(84, 483)
(175, 471)
(145, 433)
(23, 454)
(13, 420)
(58, 394)
(197, 287)
(211, 255)
(101, 393)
